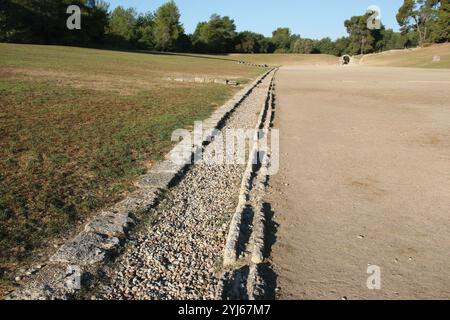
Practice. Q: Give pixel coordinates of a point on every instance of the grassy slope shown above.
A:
(78, 125)
(288, 59)
(421, 58)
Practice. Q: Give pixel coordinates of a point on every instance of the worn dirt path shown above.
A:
(365, 179)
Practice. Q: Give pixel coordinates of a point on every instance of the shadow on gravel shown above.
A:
(271, 229)
(270, 282)
(266, 270)
(237, 284)
(245, 231)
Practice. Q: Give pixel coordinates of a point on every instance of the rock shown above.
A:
(111, 224)
(159, 180)
(140, 200)
(87, 248)
(220, 81)
(169, 166)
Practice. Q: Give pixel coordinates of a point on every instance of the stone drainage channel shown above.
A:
(248, 274)
(185, 246)
(180, 255)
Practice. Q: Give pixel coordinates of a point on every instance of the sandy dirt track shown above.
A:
(364, 179)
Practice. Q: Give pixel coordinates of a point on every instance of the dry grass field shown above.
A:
(78, 125)
(416, 58)
(288, 59)
(420, 58)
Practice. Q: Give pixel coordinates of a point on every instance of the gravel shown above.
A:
(178, 254)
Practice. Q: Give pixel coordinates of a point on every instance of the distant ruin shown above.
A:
(345, 60)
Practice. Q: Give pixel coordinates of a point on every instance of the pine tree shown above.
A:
(167, 30)
(442, 29)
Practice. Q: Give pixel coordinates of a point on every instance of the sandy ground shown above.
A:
(364, 180)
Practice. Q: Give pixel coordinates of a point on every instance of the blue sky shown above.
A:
(312, 19)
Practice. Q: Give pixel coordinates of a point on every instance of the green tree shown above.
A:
(200, 37)
(218, 35)
(360, 37)
(341, 45)
(122, 26)
(267, 46)
(326, 46)
(96, 21)
(282, 39)
(442, 27)
(418, 15)
(303, 46)
(249, 42)
(144, 31)
(33, 21)
(167, 29)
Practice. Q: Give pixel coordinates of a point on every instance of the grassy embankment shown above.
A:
(77, 126)
(417, 58)
(288, 59)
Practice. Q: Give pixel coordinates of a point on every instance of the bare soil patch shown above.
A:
(364, 180)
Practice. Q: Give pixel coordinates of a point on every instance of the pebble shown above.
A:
(175, 255)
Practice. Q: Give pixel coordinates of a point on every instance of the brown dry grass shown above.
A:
(288, 59)
(421, 57)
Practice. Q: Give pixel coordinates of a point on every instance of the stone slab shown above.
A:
(87, 248)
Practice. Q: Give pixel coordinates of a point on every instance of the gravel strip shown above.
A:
(178, 254)
(246, 268)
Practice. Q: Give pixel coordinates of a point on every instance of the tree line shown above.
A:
(44, 22)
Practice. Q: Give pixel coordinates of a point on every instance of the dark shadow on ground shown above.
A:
(271, 229)
(266, 270)
(190, 55)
